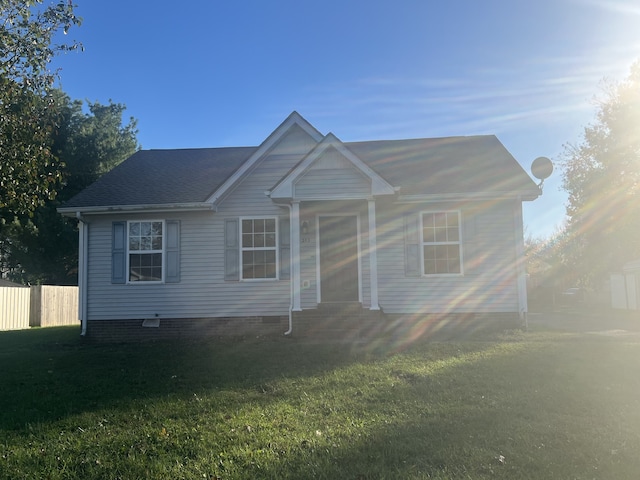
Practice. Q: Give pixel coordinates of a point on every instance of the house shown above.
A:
(625, 287)
(8, 283)
(247, 239)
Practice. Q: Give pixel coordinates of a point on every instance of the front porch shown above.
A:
(346, 322)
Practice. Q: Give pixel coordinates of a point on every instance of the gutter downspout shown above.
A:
(290, 331)
(83, 256)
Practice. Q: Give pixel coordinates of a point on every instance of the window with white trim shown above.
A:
(145, 250)
(441, 246)
(259, 253)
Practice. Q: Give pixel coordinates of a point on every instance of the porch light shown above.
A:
(304, 228)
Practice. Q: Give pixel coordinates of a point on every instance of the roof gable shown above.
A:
(293, 121)
(285, 188)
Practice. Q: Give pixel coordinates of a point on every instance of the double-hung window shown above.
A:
(145, 240)
(259, 258)
(441, 246)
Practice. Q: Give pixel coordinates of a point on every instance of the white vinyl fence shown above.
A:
(38, 306)
(14, 308)
(625, 291)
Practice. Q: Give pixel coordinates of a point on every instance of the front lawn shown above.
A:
(512, 405)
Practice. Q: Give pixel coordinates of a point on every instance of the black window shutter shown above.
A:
(412, 266)
(118, 252)
(231, 249)
(285, 249)
(172, 274)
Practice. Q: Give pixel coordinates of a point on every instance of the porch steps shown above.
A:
(344, 322)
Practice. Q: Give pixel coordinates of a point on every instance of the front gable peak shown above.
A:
(329, 162)
(294, 123)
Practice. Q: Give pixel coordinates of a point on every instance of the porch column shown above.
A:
(373, 256)
(295, 256)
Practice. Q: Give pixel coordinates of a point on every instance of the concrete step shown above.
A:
(343, 322)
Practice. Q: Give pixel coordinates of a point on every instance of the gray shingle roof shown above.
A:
(453, 165)
(158, 177)
(7, 283)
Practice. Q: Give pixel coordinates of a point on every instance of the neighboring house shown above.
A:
(625, 287)
(230, 240)
(8, 283)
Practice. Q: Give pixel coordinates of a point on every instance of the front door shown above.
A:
(338, 249)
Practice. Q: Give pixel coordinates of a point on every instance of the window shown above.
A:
(441, 243)
(258, 248)
(145, 242)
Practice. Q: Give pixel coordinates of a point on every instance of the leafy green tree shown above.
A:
(602, 177)
(92, 143)
(29, 170)
(43, 248)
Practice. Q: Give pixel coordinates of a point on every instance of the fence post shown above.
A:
(35, 311)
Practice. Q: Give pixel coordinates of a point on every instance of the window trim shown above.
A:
(163, 253)
(275, 248)
(458, 243)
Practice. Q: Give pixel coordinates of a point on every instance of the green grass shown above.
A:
(514, 405)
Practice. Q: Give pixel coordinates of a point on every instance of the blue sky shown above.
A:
(207, 73)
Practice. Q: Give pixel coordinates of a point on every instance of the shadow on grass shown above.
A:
(287, 409)
(49, 374)
(512, 413)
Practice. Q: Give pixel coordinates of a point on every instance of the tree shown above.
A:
(602, 177)
(43, 248)
(29, 170)
(547, 271)
(92, 143)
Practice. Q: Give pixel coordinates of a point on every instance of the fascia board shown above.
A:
(107, 209)
(448, 197)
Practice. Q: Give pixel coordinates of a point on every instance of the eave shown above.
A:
(160, 208)
(449, 197)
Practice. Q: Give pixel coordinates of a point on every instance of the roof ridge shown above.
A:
(387, 140)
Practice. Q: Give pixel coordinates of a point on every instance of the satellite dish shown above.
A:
(542, 168)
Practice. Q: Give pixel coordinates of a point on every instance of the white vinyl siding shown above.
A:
(489, 283)
(332, 184)
(332, 177)
(202, 291)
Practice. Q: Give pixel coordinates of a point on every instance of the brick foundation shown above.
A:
(353, 324)
(184, 328)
